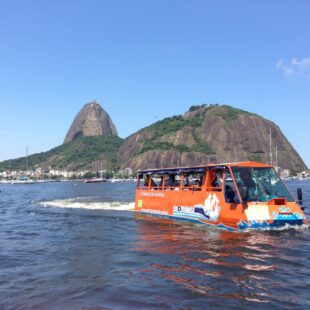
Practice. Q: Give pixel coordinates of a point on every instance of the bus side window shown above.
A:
(172, 182)
(140, 183)
(193, 181)
(214, 180)
(217, 179)
(185, 182)
(230, 192)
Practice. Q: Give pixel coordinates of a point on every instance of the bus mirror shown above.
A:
(243, 192)
(299, 195)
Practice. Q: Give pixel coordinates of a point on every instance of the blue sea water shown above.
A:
(72, 245)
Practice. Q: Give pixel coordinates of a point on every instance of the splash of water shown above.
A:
(76, 203)
(280, 228)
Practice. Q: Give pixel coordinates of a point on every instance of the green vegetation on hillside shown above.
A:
(169, 126)
(150, 145)
(75, 155)
(173, 124)
(205, 106)
(228, 113)
(255, 157)
(201, 146)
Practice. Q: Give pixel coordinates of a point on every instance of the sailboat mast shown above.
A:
(27, 152)
(277, 158)
(270, 147)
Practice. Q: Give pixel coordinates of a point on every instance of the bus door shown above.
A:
(230, 191)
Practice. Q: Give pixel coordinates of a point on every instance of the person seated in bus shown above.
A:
(217, 179)
(149, 181)
(171, 181)
(248, 184)
(176, 180)
(196, 181)
(161, 182)
(230, 189)
(201, 180)
(164, 180)
(187, 182)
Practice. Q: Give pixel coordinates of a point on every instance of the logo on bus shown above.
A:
(210, 209)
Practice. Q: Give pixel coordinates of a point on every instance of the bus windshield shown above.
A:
(260, 184)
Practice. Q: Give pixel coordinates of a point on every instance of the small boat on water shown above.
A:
(95, 180)
(115, 180)
(233, 196)
(5, 182)
(23, 180)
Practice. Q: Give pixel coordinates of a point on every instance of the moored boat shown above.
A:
(233, 196)
(23, 180)
(95, 180)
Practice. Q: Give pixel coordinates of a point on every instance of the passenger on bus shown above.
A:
(248, 184)
(171, 181)
(201, 180)
(230, 189)
(186, 182)
(149, 181)
(217, 179)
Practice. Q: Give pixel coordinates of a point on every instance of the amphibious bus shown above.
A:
(233, 196)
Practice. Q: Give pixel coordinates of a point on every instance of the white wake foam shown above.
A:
(280, 228)
(74, 203)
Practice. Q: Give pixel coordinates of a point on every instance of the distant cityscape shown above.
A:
(40, 174)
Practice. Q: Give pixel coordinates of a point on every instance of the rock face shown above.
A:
(91, 120)
(208, 134)
(204, 134)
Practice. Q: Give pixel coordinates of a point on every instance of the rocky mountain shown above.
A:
(204, 134)
(90, 144)
(91, 120)
(208, 134)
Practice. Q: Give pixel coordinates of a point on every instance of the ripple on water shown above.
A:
(81, 247)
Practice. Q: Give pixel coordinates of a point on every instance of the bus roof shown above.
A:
(174, 170)
(197, 169)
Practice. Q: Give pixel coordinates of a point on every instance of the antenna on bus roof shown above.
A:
(270, 149)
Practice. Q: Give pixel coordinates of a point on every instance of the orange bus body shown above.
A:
(223, 205)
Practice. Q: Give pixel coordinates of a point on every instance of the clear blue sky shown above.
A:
(149, 59)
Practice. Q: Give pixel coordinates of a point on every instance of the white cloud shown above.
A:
(295, 67)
